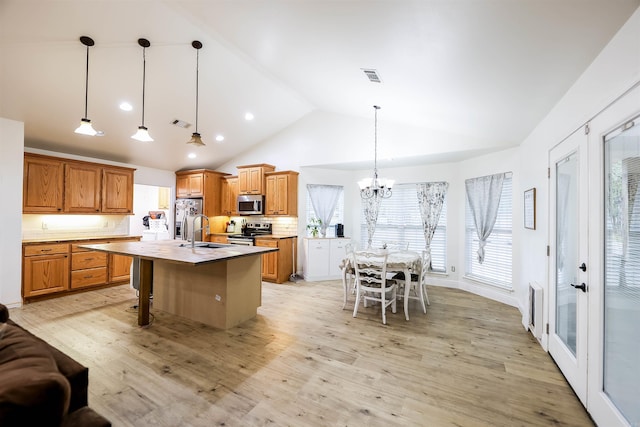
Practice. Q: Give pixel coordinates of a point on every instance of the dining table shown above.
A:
(404, 261)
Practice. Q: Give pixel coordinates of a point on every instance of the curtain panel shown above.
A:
(483, 196)
(324, 199)
(431, 199)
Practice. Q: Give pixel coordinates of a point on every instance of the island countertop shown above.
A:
(172, 251)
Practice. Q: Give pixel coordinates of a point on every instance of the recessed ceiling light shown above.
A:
(191, 155)
(125, 106)
(248, 116)
(219, 138)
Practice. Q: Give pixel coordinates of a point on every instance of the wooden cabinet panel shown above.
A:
(270, 260)
(90, 259)
(119, 268)
(45, 274)
(42, 184)
(218, 239)
(277, 266)
(189, 184)
(46, 249)
(281, 193)
(117, 190)
(251, 178)
(82, 188)
(88, 277)
(229, 192)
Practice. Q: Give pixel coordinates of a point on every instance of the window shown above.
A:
(496, 268)
(337, 218)
(399, 220)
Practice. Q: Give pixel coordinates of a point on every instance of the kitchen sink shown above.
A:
(204, 245)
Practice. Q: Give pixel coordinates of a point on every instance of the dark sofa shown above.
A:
(40, 385)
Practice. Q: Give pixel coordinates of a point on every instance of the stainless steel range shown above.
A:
(249, 233)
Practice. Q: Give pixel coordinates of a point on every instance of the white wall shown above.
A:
(612, 73)
(11, 165)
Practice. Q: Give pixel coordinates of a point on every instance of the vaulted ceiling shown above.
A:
(483, 69)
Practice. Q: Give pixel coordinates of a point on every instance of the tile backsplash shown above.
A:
(281, 225)
(35, 226)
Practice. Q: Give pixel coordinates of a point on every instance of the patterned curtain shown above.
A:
(483, 195)
(371, 208)
(324, 199)
(430, 199)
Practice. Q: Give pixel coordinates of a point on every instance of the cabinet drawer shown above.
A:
(269, 243)
(88, 277)
(92, 259)
(54, 248)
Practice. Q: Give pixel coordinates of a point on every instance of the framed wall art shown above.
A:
(530, 209)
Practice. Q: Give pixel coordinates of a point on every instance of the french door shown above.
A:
(569, 287)
(594, 274)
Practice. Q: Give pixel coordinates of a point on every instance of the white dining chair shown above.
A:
(418, 283)
(372, 283)
(349, 273)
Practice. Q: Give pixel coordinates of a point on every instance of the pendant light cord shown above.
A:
(197, 79)
(375, 149)
(86, 86)
(144, 73)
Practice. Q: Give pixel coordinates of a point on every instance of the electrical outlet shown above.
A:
(453, 269)
(106, 224)
(45, 226)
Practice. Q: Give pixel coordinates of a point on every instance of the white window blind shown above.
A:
(399, 220)
(337, 218)
(497, 266)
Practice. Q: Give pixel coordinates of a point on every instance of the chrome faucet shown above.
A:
(193, 227)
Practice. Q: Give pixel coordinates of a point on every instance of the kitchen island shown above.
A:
(220, 285)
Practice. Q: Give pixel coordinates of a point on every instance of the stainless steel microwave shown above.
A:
(250, 204)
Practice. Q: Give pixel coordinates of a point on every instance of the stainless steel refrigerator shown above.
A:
(186, 210)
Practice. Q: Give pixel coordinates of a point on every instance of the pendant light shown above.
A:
(375, 187)
(195, 137)
(143, 134)
(85, 127)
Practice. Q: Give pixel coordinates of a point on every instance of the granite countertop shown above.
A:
(76, 239)
(172, 251)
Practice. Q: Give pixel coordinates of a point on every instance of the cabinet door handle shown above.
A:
(88, 277)
(89, 259)
(46, 250)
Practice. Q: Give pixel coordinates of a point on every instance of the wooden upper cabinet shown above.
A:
(82, 188)
(57, 185)
(281, 193)
(117, 190)
(229, 194)
(42, 184)
(251, 178)
(190, 184)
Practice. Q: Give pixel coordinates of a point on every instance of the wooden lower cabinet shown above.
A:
(45, 269)
(88, 268)
(119, 268)
(57, 268)
(218, 239)
(277, 266)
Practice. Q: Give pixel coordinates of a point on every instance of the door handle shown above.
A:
(581, 286)
(583, 267)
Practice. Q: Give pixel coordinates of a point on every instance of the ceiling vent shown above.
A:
(372, 75)
(180, 123)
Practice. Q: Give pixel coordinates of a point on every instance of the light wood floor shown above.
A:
(306, 362)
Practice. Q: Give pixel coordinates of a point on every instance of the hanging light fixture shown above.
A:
(195, 137)
(143, 134)
(85, 127)
(375, 187)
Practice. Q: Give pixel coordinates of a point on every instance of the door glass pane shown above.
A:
(622, 272)
(567, 249)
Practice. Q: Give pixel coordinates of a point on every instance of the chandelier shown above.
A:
(375, 187)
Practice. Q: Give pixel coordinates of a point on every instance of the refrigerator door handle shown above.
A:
(185, 231)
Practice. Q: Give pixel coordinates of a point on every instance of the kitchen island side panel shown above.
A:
(221, 294)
